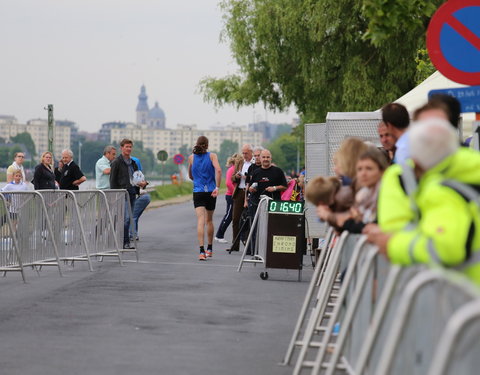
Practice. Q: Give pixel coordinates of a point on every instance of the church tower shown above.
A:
(142, 107)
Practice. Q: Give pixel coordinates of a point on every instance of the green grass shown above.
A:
(164, 192)
(171, 191)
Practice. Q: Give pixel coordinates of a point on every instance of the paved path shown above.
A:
(168, 314)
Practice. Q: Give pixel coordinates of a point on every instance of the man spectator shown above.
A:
(238, 196)
(17, 164)
(266, 180)
(446, 232)
(121, 177)
(68, 174)
(387, 140)
(396, 119)
(256, 164)
(102, 168)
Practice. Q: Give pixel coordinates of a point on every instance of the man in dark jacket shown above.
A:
(122, 177)
(68, 174)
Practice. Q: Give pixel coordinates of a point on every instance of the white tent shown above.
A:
(419, 95)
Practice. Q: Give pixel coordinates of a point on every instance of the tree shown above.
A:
(26, 139)
(320, 55)
(91, 152)
(227, 149)
(284, 152)
(185, 150)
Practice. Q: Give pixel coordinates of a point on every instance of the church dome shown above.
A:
(156, 112)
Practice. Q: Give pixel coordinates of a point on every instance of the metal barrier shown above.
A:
(414, 332)
(459, 341)
(68, 226)
(10, 259)
(97, 223)
(309, 300)
(375, 318)
(33, 229)
(116, 202)
(311, 343)
(259, 225)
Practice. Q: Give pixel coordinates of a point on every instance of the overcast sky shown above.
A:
(90, 57)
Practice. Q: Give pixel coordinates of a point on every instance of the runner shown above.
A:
(206, 174)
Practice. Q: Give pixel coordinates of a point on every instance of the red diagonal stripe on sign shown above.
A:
(464, 31)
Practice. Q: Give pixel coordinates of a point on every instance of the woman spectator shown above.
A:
(227, 219)
(44, 176)
(370, 167)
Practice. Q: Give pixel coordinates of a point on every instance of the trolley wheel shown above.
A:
(264, 275)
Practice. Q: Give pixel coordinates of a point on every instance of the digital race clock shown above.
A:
(286, 207)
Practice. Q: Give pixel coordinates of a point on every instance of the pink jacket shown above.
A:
(228, 179)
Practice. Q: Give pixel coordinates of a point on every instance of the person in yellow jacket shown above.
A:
(447, 229)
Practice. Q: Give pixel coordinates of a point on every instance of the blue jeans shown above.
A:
(140, 204)
(227, 219)
(126, 220)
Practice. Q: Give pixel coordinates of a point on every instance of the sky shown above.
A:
(89, 59)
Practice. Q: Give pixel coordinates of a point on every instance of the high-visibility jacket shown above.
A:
(448, 229)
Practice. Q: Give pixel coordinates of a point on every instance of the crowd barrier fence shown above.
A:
(117, 201)
(364, 316)
(39, 228)
(10, 260)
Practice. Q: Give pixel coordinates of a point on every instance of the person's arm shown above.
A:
(441, 234)
(107, 170)
(79, 176)
(10, 174)
(36, 177)
(282, 183)
(190, 162)
(114, 175)
(218, 173)
(228, 179)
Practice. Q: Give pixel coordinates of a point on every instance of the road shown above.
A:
(167, 314)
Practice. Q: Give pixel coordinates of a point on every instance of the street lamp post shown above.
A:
(80, 154)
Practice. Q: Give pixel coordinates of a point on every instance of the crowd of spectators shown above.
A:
(422, 209)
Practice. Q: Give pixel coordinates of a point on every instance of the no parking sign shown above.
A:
(453, 41)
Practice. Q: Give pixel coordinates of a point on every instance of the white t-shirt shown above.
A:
(14, 201)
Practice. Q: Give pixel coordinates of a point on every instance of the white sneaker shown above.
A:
(221, 240)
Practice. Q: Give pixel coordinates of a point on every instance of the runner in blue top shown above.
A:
(206, 174)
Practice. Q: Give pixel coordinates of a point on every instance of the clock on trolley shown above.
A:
(286, 241)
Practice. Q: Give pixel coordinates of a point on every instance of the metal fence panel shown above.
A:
(97, 223)
(34, 232)
(67, 225)
(10, 257)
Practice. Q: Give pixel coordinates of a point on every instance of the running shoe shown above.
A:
(221, 240)
(209, 253)
(202, 256)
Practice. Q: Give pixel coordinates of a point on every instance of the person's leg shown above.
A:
(227, 219)
(209, 223)
(200, 211)
(140, 204)
(126, 221)
(237, 213)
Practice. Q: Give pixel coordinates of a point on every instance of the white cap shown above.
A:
(431, 141)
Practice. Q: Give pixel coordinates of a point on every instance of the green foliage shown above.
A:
(425, 67)
(171, 191)
(91, 152)
(185, 151)
(26, 139)
(227, 149)
(284, 152)
(313, 54)
(386, 17)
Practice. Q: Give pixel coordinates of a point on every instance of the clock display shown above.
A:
(286, 207)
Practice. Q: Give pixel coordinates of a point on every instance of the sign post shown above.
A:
(179, 159)
(162, 156)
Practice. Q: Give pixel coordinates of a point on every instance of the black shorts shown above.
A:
(204, 200)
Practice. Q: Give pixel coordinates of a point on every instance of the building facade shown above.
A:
(171, 140)
(38, 130)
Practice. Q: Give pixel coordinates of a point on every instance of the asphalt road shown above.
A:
(167, 314)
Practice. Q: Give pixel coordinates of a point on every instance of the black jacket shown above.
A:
(43, 178)
(119, 176)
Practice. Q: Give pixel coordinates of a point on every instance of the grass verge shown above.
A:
(164, 192)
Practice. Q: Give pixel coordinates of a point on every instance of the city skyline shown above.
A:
(89, 59)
